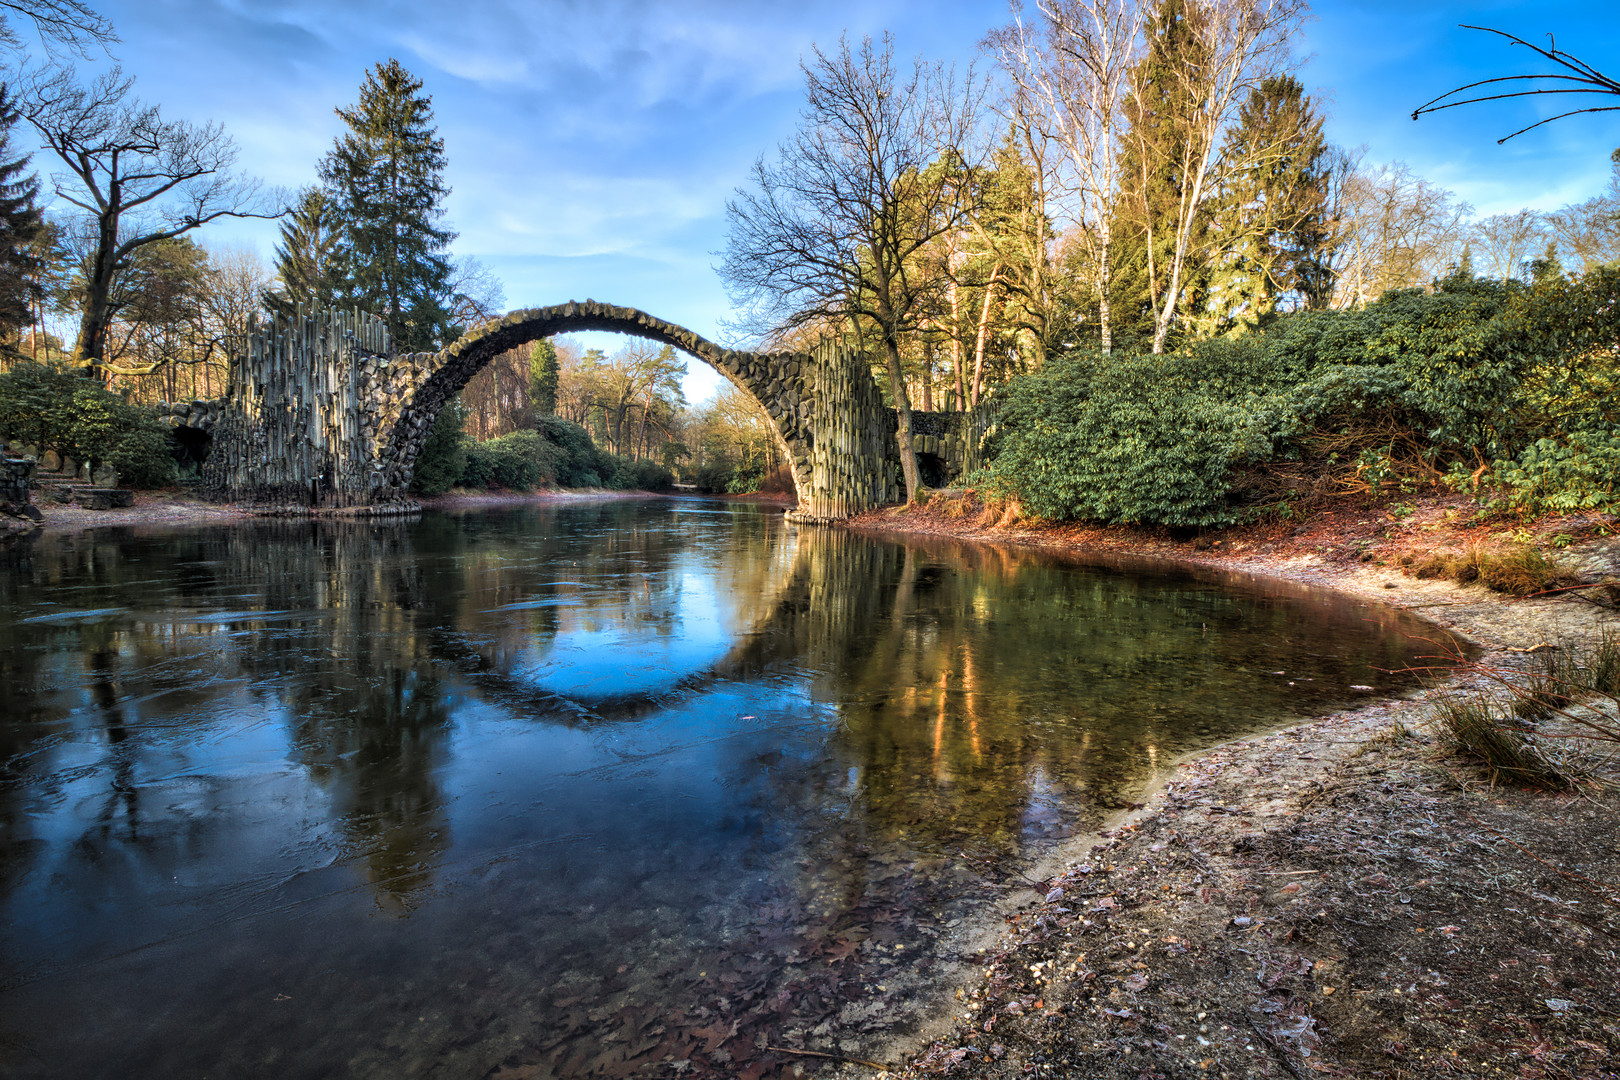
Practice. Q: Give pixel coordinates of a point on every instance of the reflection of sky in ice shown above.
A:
(668, 629)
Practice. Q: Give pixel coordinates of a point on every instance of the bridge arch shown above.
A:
(780, 382)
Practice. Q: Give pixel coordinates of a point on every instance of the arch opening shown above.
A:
(780, 382)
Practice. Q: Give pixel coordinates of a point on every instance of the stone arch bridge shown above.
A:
(320, 413)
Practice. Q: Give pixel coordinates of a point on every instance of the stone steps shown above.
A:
(68, 489)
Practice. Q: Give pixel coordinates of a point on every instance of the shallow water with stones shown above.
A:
(632, 788)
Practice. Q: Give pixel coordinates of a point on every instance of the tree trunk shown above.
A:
(979, 336)
(958, 361)
(928, 377)
(92, 344)
(1105, 281)
(902, 410)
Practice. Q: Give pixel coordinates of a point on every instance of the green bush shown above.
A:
(36, 405)
(521, 461)
(577, 461)
(714, 478)
(1127, 438)
(1413, 384)
(1576, 472)
(143, 455)
(54, 409)
(640, 476)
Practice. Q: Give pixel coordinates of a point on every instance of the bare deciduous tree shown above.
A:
(233, 293)
(476, 294)
(68, 23)
(1589, 233)
(1578, 77)
(834, 230)
(137, 177)
(1504, 244)
(1398, 231)
(1070, 73)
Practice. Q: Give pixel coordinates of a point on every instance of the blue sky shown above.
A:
(592, 145)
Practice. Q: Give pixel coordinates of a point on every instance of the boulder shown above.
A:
(104, 498)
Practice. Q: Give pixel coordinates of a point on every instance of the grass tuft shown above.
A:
(1517, 571)
(1477, 725)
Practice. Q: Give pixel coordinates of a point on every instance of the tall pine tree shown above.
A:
(311, 259)
(20, 227)
(385, 177)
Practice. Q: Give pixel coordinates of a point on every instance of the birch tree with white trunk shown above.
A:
(1070, 67)
(1240, 43)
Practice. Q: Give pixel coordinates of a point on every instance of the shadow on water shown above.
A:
(625, 789)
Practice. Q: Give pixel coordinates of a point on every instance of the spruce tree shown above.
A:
(311, 259)
(543, 376)
(1271, 206)
(21, 226)
(385, 178)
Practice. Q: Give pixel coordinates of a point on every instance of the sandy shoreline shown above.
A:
(1262, 912)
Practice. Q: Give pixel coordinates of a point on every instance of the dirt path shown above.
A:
(167, 508)
(1341, 898)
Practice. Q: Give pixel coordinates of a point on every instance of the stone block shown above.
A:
(104, 498)
(105, 477)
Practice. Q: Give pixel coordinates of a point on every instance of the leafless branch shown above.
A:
(1586, 79)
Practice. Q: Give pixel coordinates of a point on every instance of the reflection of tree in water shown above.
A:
(123, 795)
(326, 622)
(957, 673)
(983, 698)
(986, 698)
(367, 711)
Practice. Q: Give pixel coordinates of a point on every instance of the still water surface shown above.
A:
(616, 789)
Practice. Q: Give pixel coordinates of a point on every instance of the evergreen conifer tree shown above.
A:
(311, 259)
(1271, 208)
(385, 177)
(21, 225)
(543, 375)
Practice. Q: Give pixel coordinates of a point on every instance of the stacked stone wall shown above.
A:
(16, 503)
(956, 438)
(202, 415)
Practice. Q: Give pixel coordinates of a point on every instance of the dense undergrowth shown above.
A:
(53, 409)
(556, 452)
(1501, 389)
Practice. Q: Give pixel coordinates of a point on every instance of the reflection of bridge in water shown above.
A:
(948, 677)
